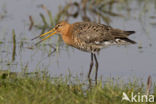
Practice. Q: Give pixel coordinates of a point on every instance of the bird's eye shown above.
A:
(59, 25)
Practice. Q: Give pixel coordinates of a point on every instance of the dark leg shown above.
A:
(96, 66)
(91, 65)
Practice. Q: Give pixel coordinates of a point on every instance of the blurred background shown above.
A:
(22, 20)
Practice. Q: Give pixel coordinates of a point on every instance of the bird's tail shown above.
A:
(128, 40)
(129, 32)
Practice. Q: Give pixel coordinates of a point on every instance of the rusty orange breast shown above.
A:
(67, 35)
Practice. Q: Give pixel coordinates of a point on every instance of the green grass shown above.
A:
(40, 88)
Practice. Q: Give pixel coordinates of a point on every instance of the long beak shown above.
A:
(53, 31)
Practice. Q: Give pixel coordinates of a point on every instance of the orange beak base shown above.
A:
(53, 31)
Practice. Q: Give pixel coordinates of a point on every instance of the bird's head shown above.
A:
(60, 28)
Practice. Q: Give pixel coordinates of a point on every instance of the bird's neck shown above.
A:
(65, 30)
(67, 35)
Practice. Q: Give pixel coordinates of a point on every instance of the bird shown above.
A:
(89, 37)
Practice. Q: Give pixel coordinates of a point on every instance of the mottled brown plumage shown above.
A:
(90, 37)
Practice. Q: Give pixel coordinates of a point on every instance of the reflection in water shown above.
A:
(114, 62)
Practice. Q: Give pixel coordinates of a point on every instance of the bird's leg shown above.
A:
(96, 67)
(90, 69)
(91, 65)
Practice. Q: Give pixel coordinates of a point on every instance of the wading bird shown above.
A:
(89, 37)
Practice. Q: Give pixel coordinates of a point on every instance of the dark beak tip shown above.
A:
(35, 37)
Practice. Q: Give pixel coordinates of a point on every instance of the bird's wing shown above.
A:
(96, 33)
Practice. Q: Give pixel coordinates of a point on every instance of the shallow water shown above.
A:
(123, 62)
